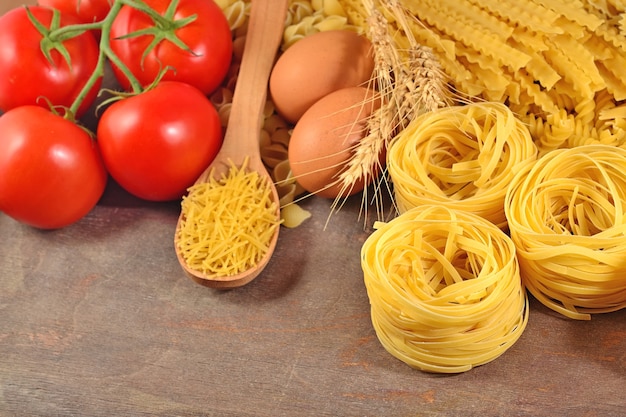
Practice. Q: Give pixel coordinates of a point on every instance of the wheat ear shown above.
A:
(409, 81)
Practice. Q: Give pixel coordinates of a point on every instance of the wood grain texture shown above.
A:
(98, 319)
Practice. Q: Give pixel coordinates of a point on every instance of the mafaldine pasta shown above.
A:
(461, 157)
(567, 218)
(444, 288)
(550, 61)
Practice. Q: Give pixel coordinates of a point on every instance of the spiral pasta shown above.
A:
(567, 218)
(462, 157)
(444, 288)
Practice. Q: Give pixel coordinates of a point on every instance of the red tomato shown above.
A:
(208, 37)
(87, 11)
(26, 76)
(51, 173)
(156, 144)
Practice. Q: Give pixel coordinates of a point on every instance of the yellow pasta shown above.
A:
(612, 35)
(537, 67)
(567, 218)
(533, 99)
(483, 68)
(573, 10)
(236, 12)
(569, 60)
(444, 289)
(552, 132)
(522, 13)
(450, 20)
(329, 7)
(473, 16)
(307, 17)
(540, 57)
(461, 157)
(298, 10)
(228, 223)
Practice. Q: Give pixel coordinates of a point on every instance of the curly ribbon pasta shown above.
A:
(541, 58)
(461, 157)
(567, 218)
(444, 289)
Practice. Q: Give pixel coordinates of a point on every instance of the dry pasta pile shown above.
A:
(558, 64)
(461, 157)
(541, 80)
(567, 217)
(444, 289)
(229, 223)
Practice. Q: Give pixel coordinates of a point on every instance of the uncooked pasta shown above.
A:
(228, 223)
(462, 157)
(567, 218)
(444, 289)
(541, 58)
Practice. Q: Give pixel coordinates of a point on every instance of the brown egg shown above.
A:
(323, 140)
(316, 66)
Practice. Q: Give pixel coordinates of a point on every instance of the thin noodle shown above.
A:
(229, 223)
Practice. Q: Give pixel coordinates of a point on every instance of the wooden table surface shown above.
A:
(98, 319)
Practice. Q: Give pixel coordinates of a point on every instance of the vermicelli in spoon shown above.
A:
(229, 223)
(240, 149)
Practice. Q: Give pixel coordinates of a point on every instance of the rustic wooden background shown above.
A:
(98, 319)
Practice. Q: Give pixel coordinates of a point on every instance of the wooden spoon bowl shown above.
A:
(242, 137)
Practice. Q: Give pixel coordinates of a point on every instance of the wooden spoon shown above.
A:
(241, 140)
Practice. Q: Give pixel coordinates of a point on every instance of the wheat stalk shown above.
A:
(409, 81)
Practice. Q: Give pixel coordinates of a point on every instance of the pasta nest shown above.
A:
(566, 216)
(444, 288)
(461, 157)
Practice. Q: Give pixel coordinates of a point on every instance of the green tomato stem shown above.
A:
(70, 31)
(164, 28)
(143, 7)
(105, 53)
(48, 43)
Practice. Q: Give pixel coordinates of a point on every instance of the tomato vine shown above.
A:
(159, 130)
(165, 27)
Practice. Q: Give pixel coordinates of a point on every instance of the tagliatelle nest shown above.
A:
(444, 289)
(461, 157)
(567, 217)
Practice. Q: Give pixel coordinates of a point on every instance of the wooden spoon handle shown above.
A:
(264, 36)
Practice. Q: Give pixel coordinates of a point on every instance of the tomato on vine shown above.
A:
(87, 11)
(38, 69)
(157, 143)
(154, 143)
(51, 172)
(191, 38)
